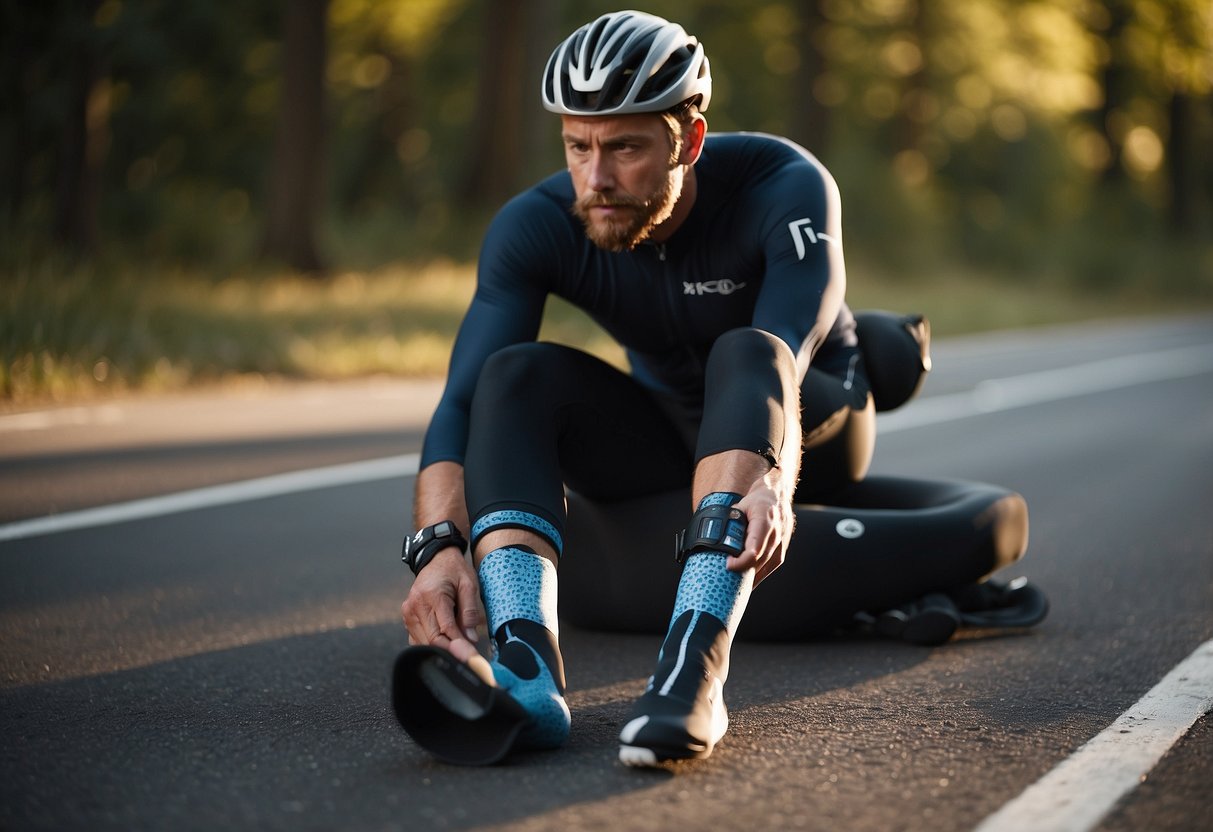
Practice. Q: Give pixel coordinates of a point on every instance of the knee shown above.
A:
(748, 340)
(515, 369)
(745, 348)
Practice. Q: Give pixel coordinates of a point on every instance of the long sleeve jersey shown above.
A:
(761, 247)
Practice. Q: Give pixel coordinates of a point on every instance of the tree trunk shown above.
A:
(495, 154)
(810, 119)
(1183, 165)
(394, 105)
(16, 54)
(83, 145)
(542, 149)
(1114, 81)
(296, 179)
(908, 129)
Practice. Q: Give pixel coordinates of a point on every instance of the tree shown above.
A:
(296, 178)
(84, 138)
(809, 123)
(497, 131)
(1188, 46)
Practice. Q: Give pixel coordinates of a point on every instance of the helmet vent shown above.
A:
(626, 62)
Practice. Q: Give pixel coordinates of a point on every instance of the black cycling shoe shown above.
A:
(929, 621)
(994, 604)
(682, 713)
(453, 710)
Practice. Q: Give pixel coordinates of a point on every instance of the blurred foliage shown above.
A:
(72, 330)
(1062, 141)
(970, 127)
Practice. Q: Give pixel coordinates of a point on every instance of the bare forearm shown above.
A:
(439, 496)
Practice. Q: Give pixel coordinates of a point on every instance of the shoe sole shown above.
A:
(647, 756)
(637, 756)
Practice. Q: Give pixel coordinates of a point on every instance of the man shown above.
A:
(717, 262)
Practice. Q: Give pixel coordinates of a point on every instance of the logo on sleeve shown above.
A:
(802, 229)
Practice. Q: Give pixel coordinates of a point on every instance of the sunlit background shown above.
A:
(283, 188)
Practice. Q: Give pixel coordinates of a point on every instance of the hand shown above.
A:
(442, 607)
(770, 524)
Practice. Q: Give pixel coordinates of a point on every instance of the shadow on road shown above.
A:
(270, 733)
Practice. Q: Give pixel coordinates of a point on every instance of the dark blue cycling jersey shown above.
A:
(762, 247)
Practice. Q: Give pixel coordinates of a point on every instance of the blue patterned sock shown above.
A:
(519, 590)
(513, 519)
(707, 586)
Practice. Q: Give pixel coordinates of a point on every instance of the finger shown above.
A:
(412, 623)
(440, 641)
(740, 563)
(444, 617)
(428, 628)
(427, 634)
(767, 569)
(462, 649)
(469, 610)
(778, 555)
(758, 543)
(759, 532)
(767, 559)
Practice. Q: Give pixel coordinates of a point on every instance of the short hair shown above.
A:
(678, 120)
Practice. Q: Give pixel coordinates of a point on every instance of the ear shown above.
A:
(692, 144)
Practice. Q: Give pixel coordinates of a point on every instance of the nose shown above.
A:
(601, 173)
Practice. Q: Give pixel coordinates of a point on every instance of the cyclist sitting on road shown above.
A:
(717, 262)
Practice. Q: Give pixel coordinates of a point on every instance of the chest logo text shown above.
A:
(712, 287)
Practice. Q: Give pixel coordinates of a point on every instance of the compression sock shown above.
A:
(682, 712)
(519, 590)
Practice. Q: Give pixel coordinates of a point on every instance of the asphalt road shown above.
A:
(228, 666)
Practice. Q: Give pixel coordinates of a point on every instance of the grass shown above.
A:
(77, 332)
(86, 332)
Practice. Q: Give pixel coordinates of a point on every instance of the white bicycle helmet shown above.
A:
(626, 62)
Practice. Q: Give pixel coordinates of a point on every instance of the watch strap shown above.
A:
(421, 547)
(714, 528)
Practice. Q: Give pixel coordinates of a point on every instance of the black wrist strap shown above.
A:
(421, 548)
(716, 528)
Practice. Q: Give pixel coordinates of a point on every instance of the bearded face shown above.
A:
(627, 176)
(620, 222)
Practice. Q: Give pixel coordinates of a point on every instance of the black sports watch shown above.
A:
(717, 528)
(422, 546)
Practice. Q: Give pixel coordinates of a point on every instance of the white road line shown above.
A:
(1077, 794)
(987, 397)
(216, 495)
(1000, 394)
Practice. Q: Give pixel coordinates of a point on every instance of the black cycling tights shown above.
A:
(546, 417)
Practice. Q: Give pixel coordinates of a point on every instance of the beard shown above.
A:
(635, 220)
